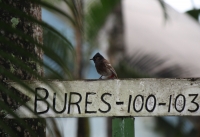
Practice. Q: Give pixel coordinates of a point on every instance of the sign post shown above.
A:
(123, 127)
(121, 99)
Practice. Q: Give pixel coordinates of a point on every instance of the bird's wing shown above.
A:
(108, 65)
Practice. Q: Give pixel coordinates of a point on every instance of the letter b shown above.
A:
(40, 99)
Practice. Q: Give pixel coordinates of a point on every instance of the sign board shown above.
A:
(100, 98)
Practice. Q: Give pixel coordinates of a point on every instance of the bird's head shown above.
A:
(97, 57)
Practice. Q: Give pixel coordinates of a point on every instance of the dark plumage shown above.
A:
(103, 67)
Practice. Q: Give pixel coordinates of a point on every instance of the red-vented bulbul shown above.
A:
(103, 67)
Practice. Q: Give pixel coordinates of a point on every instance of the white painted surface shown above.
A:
(176, 39)
(96, 97)
(183, 5)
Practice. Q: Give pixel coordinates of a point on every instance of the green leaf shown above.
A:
(194, 13)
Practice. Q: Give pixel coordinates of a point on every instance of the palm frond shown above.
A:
(147, 65)
(96, 15)
(194, 13)
(17, 59)
(53, 8)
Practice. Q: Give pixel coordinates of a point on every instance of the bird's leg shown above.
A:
(100, 77)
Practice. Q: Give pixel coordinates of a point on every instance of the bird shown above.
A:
(103, 67)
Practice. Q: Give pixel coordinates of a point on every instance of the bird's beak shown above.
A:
(91, 59)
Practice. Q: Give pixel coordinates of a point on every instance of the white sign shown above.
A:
(128, 97)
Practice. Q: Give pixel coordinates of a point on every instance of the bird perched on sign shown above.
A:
(103, 67)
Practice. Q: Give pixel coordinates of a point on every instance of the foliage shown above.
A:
(194, 13)
(96, 15)
(17, 56)
(55, 43)
(140, 65)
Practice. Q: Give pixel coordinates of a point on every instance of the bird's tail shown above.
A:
(112, 76)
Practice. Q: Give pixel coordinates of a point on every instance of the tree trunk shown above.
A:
(78, 15)
(35, 31)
